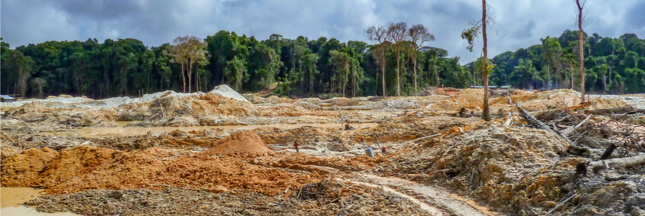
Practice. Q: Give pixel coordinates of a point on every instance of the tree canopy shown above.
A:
(127, 67)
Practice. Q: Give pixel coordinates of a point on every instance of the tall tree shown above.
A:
(379, 35)
(580, 48)
(418, 35)
(196, 52)
(470, 35)
(570, 60)
(342, 63)
(310, 68)
(550, 54)
(179, 52)
(397, 33)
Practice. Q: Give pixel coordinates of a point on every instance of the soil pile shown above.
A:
(245, 142)
(168, 108)
(34, 115)
(228, 92)
(85, 167)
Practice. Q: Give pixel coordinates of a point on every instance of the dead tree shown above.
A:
(379, 34)
(581, 48)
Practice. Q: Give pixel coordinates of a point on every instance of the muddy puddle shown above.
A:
(13, 197)
(121, 130)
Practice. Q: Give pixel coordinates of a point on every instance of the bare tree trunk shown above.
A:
(486, 111)
(189, 73)
(197, 83)
(571, 75)
(414, 62)
(311, 82)
(302, 75)
(183, 77)
(398, 69)
(123, 82)
(548, 76)
(383, 74)
(581, 50)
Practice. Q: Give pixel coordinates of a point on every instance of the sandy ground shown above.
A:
(125, 156)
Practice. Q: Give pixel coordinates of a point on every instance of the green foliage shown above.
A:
(470, 35)
(126, 67)
(235, 72)
(612, 65)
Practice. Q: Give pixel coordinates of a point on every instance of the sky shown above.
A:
(517, 23)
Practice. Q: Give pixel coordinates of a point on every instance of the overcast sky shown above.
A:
(518, 23)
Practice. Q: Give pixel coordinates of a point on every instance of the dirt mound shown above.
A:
(84, 167)
(36, 115)
(228, 92)
(196, 106)
(245, 142)
(26, 166)
(433, 91)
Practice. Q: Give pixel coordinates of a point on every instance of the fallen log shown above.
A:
(617, 110)
(570, 130)
(627, 162)
(537, 123)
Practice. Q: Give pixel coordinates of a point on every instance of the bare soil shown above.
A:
(209, 154)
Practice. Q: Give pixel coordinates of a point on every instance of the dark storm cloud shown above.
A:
(518, 23)
(100, 9)
(636, 17)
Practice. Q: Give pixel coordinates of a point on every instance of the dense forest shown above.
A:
(308, 67)
(612, 65)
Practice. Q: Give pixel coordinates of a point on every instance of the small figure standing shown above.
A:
(383, 150)
(295, 145)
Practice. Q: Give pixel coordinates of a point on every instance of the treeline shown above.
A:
(612, 65)
(300, 67)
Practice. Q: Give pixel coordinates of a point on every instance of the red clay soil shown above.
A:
(245, 142)
(85, 167)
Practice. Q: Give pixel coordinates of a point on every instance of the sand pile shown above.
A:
(195, 106)
(84, 167)
(32, 113)
(228, 92)
(432, 91)
(245, 142)
(467, 98)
